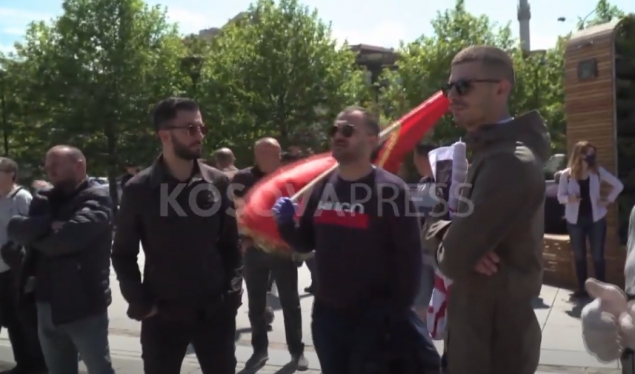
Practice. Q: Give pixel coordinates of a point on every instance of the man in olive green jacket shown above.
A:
(492, 248)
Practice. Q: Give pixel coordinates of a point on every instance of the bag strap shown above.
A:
(14, 193)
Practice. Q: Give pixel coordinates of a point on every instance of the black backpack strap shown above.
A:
(14, 193)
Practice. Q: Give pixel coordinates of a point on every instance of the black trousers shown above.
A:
(166, 336)
(258, 267)
(25, 343)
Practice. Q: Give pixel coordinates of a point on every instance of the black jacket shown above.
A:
(72, 261)
(190, 239)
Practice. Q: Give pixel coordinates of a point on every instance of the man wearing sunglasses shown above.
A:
(365, 233)
(179, 209)
(492, 249)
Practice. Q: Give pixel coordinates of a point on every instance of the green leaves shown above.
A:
(425, 66)
(275, 67)
(91, 76)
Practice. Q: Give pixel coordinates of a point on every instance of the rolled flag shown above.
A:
(411, 129)
(459, 175)
(255, 219)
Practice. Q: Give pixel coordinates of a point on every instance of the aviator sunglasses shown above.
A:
(192, 130)
(463, 86)
(346, 130)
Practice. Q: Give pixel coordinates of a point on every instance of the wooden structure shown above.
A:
(590, 106)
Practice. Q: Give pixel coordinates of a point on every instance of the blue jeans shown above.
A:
(595, 232)
(61, 344)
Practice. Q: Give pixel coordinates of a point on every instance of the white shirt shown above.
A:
(14, 204)
(569, 186)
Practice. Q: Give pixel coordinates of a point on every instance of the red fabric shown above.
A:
(414, 126)
(256, 219)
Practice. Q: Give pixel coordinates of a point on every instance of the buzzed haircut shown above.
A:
(224, 156)
(73, 152)
(7, 165)
(494, 60)
(268, 140)
(370, 120)
(167, 110)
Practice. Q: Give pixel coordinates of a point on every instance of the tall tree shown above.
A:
(425, 66)
(96, 70)
(604, 12)
(277, 71)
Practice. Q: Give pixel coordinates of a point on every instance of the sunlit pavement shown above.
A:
(562, 347)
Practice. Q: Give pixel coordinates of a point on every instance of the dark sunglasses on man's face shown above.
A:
(192, 130)
(346, 130)
(463, 86)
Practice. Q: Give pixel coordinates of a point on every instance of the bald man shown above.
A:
(259, 266)
(67, 236)
(224, 159)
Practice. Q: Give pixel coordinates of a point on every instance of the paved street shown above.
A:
(562, 347)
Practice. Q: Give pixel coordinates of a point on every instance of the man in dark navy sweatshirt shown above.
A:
(365, 233)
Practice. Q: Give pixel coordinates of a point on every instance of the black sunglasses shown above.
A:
(463, 86)
(192, 130)
(347, 130)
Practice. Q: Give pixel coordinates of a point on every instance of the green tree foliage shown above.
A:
(425, 66)
(89, 77)
(93, 73)
(278, 72)
(604, 12)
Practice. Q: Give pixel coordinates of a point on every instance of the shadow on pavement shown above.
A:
(286, 369)
(239, 332)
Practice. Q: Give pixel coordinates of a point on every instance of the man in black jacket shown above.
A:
(261, 267)
(67, 265)
(179, 210)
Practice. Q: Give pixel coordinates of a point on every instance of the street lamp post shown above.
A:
(582, 21)
(5, 122)
(193, 65)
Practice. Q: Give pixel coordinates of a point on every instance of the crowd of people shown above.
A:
(373, 264)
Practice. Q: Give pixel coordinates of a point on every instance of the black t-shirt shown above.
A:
(366, 239)
(585, 209)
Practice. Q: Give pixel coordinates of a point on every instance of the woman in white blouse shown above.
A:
(585, 209)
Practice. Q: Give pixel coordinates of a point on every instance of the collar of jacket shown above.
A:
(159, 173)
(56, 194)
(490, 134)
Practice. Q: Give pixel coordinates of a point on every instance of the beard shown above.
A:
(346, 155)
(184, 152)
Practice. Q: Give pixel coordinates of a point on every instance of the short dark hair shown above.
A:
(496, 61)
(7, 165)
(422, 149)
(167, 110)
(224, 156)
(370, 120)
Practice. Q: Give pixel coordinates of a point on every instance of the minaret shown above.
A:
(524, 16)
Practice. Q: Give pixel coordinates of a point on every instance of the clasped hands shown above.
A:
(607, 322)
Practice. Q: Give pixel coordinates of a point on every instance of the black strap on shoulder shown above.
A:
(14, 193)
